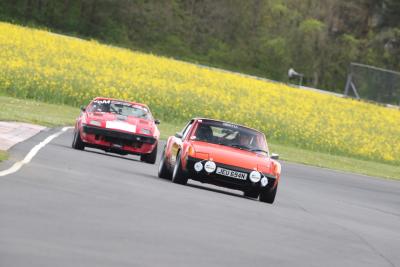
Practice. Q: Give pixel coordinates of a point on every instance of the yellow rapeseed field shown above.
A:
(53, 68)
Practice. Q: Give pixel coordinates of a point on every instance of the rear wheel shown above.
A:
(150, 158)
(163, 171)
(178, 176)
(268, 195)
(77, 143)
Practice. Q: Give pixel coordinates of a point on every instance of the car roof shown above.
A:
(208, 119)
(120, 100)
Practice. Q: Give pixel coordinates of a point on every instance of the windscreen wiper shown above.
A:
(258, 150)
(240, 146)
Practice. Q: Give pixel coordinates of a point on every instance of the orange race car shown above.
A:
(224, 154)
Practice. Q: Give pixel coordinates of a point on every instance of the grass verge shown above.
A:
(50, 115)
(3, 155)
(169, 128)
(335, 162)
(55, 115)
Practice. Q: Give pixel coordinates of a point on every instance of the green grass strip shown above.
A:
(3, 155)
(341, 163)
(50, 115)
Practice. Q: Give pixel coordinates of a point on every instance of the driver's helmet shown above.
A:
(244, 139)
(204, 133)
(96, 107)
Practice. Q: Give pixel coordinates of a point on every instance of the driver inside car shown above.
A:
(98, 107)
(245, 139)
(204, 133)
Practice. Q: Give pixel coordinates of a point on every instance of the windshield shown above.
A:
(230, 135)
(120, 108)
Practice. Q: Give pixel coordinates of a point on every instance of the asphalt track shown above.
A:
(89, 208)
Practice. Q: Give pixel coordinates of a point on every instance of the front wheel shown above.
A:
(77, 142)
(163, 171)
(268, 195)
(150, 158)
(178, 176)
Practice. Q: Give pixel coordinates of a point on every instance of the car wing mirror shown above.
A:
(83, 108)
(274, 156)
(157, 121)
(178, 135)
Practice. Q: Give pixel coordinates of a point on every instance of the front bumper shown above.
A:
(225, 181)
(117, 141)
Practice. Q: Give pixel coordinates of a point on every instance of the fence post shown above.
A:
(348, 84)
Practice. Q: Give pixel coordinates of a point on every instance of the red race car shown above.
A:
(223, 154)
(117, 126)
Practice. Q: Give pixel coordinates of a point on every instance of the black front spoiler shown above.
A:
(223, 181)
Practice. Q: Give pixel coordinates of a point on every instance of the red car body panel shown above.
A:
(111, 123)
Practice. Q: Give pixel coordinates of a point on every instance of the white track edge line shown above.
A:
(18, 165)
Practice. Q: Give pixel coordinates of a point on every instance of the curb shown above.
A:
(12, 133)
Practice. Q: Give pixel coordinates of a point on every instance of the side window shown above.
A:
(187, 130)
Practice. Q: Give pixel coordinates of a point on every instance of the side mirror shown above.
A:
(157, 121)
(274, 156)
(83, 108)
(179, 135)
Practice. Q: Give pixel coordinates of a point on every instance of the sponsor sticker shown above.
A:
(230, 125)
(102, 101)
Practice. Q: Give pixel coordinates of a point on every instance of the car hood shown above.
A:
(121, 123)
(233, 156)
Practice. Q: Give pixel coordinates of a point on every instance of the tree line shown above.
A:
(318, 38)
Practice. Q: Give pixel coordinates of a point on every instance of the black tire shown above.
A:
(268, 195)
(150, 158)
(251, 193)
(178, 175)
(163, 171)
(77, 143)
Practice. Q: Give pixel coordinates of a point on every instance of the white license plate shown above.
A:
(233, 174)
(120, 125)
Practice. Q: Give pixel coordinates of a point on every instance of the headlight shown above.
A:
(255, 176)
(95, 123)
(145, 131)
(264, 181)
(210, 166)
(198, 166)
